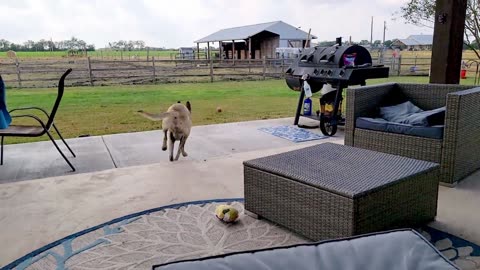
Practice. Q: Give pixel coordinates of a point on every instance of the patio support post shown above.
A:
(208, 50)
(198, 50)
(221, 50)
(448, 41)
(250, 48)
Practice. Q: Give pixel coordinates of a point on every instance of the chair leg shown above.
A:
(1, 159)
(60, 135)
(60, 151)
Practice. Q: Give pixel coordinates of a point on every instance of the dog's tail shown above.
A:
(154, 116)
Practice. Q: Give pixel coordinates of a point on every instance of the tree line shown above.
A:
(44, 45)
(72, 44)
(376, 43)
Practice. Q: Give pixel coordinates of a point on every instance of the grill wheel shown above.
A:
(326, 127)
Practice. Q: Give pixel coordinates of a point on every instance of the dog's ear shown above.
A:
(189, 107)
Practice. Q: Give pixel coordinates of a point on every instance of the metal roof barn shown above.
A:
(257, 40)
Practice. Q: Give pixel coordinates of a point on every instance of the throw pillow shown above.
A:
(399, 113)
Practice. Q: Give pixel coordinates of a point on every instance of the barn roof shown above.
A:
(422, 39)
(284, 30)
(413, 40)
(408, 42)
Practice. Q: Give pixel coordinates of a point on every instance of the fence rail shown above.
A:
(88, 71)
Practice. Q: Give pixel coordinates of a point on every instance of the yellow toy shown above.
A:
(226, 213)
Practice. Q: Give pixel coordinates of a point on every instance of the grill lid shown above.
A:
(348, 65)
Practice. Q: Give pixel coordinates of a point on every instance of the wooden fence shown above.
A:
(87, 71)
(95, 72)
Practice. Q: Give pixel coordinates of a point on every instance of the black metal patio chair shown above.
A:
(42, 128)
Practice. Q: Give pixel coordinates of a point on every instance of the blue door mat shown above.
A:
(292, 133)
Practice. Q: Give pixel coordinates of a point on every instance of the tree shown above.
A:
(388, 43)
(40, 45)
(29, 45)
(326, 43)
(364, 42)
(377, 43)
(90, 47)
(4, 45)
(140, 44)
(422, 13)
(51, 45)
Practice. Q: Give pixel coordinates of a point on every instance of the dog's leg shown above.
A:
(180, 148)
(171, 143)
(183, 146)
(165, 137)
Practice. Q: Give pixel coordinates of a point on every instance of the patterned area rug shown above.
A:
(158, 236)
(292, 133)
(186, 231)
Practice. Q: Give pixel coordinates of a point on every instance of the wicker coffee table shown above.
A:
(329, 190)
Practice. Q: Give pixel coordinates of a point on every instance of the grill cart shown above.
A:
(339, 66)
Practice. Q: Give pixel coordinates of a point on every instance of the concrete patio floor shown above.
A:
(41, 160)
(36, 212)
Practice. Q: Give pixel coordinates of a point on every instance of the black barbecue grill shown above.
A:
(337, 65)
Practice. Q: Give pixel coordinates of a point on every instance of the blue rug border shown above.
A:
(437, 235)
(113, 221)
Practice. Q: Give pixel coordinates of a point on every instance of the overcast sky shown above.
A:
(178, 23)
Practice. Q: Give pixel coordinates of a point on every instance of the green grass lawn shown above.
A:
(111, 109)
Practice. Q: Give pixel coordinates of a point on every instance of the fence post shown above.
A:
(283, 66)
(121, 55)
(264, 66)
(17, 64)
(154, 74)
(89, 65)
(148, 53)
(399, 65)
(211, 70)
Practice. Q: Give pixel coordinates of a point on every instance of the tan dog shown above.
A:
(177, 122)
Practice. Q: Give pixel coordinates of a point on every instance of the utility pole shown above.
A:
(384, 29)
(371, 32)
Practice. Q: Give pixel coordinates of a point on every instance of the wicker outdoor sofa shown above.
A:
(457, 152)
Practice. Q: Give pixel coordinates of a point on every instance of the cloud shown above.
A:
(179, 23)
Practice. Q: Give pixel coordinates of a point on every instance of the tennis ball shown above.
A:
(226, 213)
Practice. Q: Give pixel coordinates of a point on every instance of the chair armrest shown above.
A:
(30, 116)
(362, 101)
(461, 150)
(30, 108)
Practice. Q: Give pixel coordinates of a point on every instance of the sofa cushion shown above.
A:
(398, 113)
(380, 124)
(426, 118)
(408, 113)
(394, 250)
